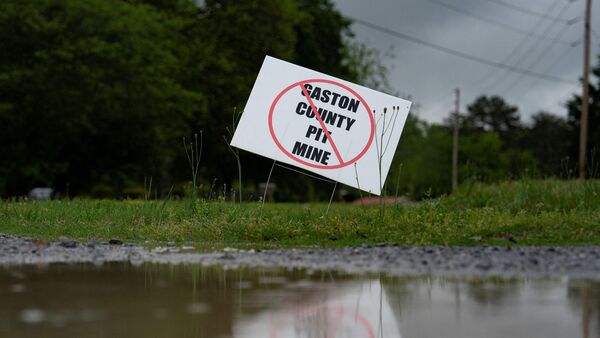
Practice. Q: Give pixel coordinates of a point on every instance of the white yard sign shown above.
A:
(319, 123)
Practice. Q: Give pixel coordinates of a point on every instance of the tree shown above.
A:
(482, 158)
(550, 140)
(422, 160)
(495, 115)
(236, 35)
(321, 43)
(310, 33)
(95, 95)
(88, 94)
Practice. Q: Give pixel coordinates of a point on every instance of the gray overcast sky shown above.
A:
(512, 32)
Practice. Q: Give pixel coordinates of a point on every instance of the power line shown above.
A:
(534, 13)
(486, 20)
(520, 45)
(536, 60)
(547, 69)
(455, 52)
(533, 46)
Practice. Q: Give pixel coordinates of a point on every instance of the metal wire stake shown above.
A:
(331, 198)
(267, 185)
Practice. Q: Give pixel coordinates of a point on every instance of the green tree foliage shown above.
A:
(493, 146)
(550, 140)
(96, 95)
(495, 115)
(322, 34)
(422, 161)
(482, 157)
(238, 35)
(88, 94)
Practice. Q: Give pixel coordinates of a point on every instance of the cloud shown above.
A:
(513, 37)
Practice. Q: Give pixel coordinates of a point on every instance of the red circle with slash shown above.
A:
(341, 163)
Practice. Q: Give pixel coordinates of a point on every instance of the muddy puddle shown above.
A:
(121, 300)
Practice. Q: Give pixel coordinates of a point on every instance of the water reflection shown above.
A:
(119, 300)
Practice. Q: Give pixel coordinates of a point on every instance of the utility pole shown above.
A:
(585, 98)
(455, 142)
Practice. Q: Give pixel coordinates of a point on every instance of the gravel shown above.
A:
(516, 261)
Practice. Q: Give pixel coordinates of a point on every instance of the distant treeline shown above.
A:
(494, 145)
(97, 95)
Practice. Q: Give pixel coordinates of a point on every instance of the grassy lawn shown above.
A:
(529, 212)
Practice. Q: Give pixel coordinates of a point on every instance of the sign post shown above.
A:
(321, 124)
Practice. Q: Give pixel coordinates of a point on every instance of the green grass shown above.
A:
(526, 212)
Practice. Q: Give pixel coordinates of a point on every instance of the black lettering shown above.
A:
(311, 153)
(323, 113)
(316, 93)
(308, 89)
(349, 123)
(325, 157)
(310, 113)
(301, 108)
(341, 120)
(299, 149)
(316, 154)
(335, 97)
(331, 118)
(353, 106)
(325, 137)
(344, 100)
(311, 130)
(325, 96)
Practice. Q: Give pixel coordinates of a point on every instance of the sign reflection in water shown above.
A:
(190, 301)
